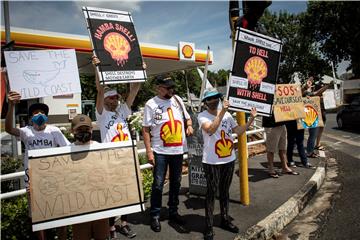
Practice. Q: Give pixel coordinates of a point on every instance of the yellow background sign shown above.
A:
(288, 103)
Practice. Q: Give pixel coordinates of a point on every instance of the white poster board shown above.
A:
(42, 73)
(329, 99)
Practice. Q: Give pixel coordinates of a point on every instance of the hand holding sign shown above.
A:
(14, 97)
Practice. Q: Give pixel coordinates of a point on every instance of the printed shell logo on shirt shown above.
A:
(256, 70)
(121, 136)
(224, 146)
(187, 51)
(171, 131)
(118, 47)
(311, 117)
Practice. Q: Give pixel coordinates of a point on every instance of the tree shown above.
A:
(298, 52)
(335, 27)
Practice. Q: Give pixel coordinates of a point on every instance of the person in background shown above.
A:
(36, 136)
(164, 130)
(314, 138)
(276, 138)
(111, 119)
(81, 127)
(217, 126)
(296, 136)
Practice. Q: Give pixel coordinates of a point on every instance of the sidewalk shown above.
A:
(266, 195)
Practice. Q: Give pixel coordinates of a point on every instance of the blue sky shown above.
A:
(162, 22)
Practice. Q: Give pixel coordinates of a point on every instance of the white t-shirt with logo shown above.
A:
(218, 147)
(50, 137)
(165, 119)
(113, 125)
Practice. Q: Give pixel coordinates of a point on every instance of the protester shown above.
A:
(81, 127)
(296, 136)
(218, 157)
(111, 119)
(164, 130)
(315, 134)
(276, 139)
(36, 136)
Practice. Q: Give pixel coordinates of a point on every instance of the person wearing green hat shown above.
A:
(217, 127)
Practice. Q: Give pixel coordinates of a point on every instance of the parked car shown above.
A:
(349, 115)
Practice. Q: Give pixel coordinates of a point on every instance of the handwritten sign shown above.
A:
(329, 99)
(42, 73)
(77, 184)
(116, 44)
(254, 72)
(313, 117)
(288, 103)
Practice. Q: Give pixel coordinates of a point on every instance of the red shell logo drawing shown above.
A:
(256, 70)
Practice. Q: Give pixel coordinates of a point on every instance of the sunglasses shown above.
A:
(168, 88)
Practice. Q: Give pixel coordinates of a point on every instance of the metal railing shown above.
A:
(10, 176)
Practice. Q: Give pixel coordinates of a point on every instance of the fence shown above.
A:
(10, 176)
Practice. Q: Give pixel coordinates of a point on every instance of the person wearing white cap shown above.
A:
(111, 119)
(217, 126)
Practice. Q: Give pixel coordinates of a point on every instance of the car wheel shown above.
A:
(340, 122)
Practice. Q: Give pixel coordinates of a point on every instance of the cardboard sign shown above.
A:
(254, 72)
(76, 184)
(115, 43)
(313, 117)
(288, 103)
(42, 73)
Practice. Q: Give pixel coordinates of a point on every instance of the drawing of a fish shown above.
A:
(43, 76)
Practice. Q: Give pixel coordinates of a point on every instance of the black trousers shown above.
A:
(217, 177)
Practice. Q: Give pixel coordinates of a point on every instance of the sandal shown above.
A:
(273, 174)
(291, 173)
(320, 147)
(313, 155)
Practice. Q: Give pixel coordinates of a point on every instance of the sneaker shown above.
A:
(176, 218)
(292, 164)
(126, 231)
(209, 235)
(309, 166)
(227, 225)
(155, 224)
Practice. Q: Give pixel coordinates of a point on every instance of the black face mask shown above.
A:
(83, 136)
(213, 105)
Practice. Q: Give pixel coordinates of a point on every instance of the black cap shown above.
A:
(38, 106)
(165, 80)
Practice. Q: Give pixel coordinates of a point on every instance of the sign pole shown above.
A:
(242, 141)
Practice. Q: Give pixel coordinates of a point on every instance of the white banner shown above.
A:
(42, 73)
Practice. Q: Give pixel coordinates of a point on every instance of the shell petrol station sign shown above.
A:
(187, 51)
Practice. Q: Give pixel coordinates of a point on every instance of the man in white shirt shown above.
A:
(38, 135)
(111, 119)
(217, 126)
(164, 131)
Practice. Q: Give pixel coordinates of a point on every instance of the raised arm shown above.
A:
(241, 129)
(13, 98)
(99, 87)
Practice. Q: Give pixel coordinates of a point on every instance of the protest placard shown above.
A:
(42, 73)
(76, 184)
(288, 103)
(116, 44)
(254, 72)
(312, 110)
(329, 99)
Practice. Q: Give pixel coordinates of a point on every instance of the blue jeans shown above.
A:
(162, 161)
(311, 140)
